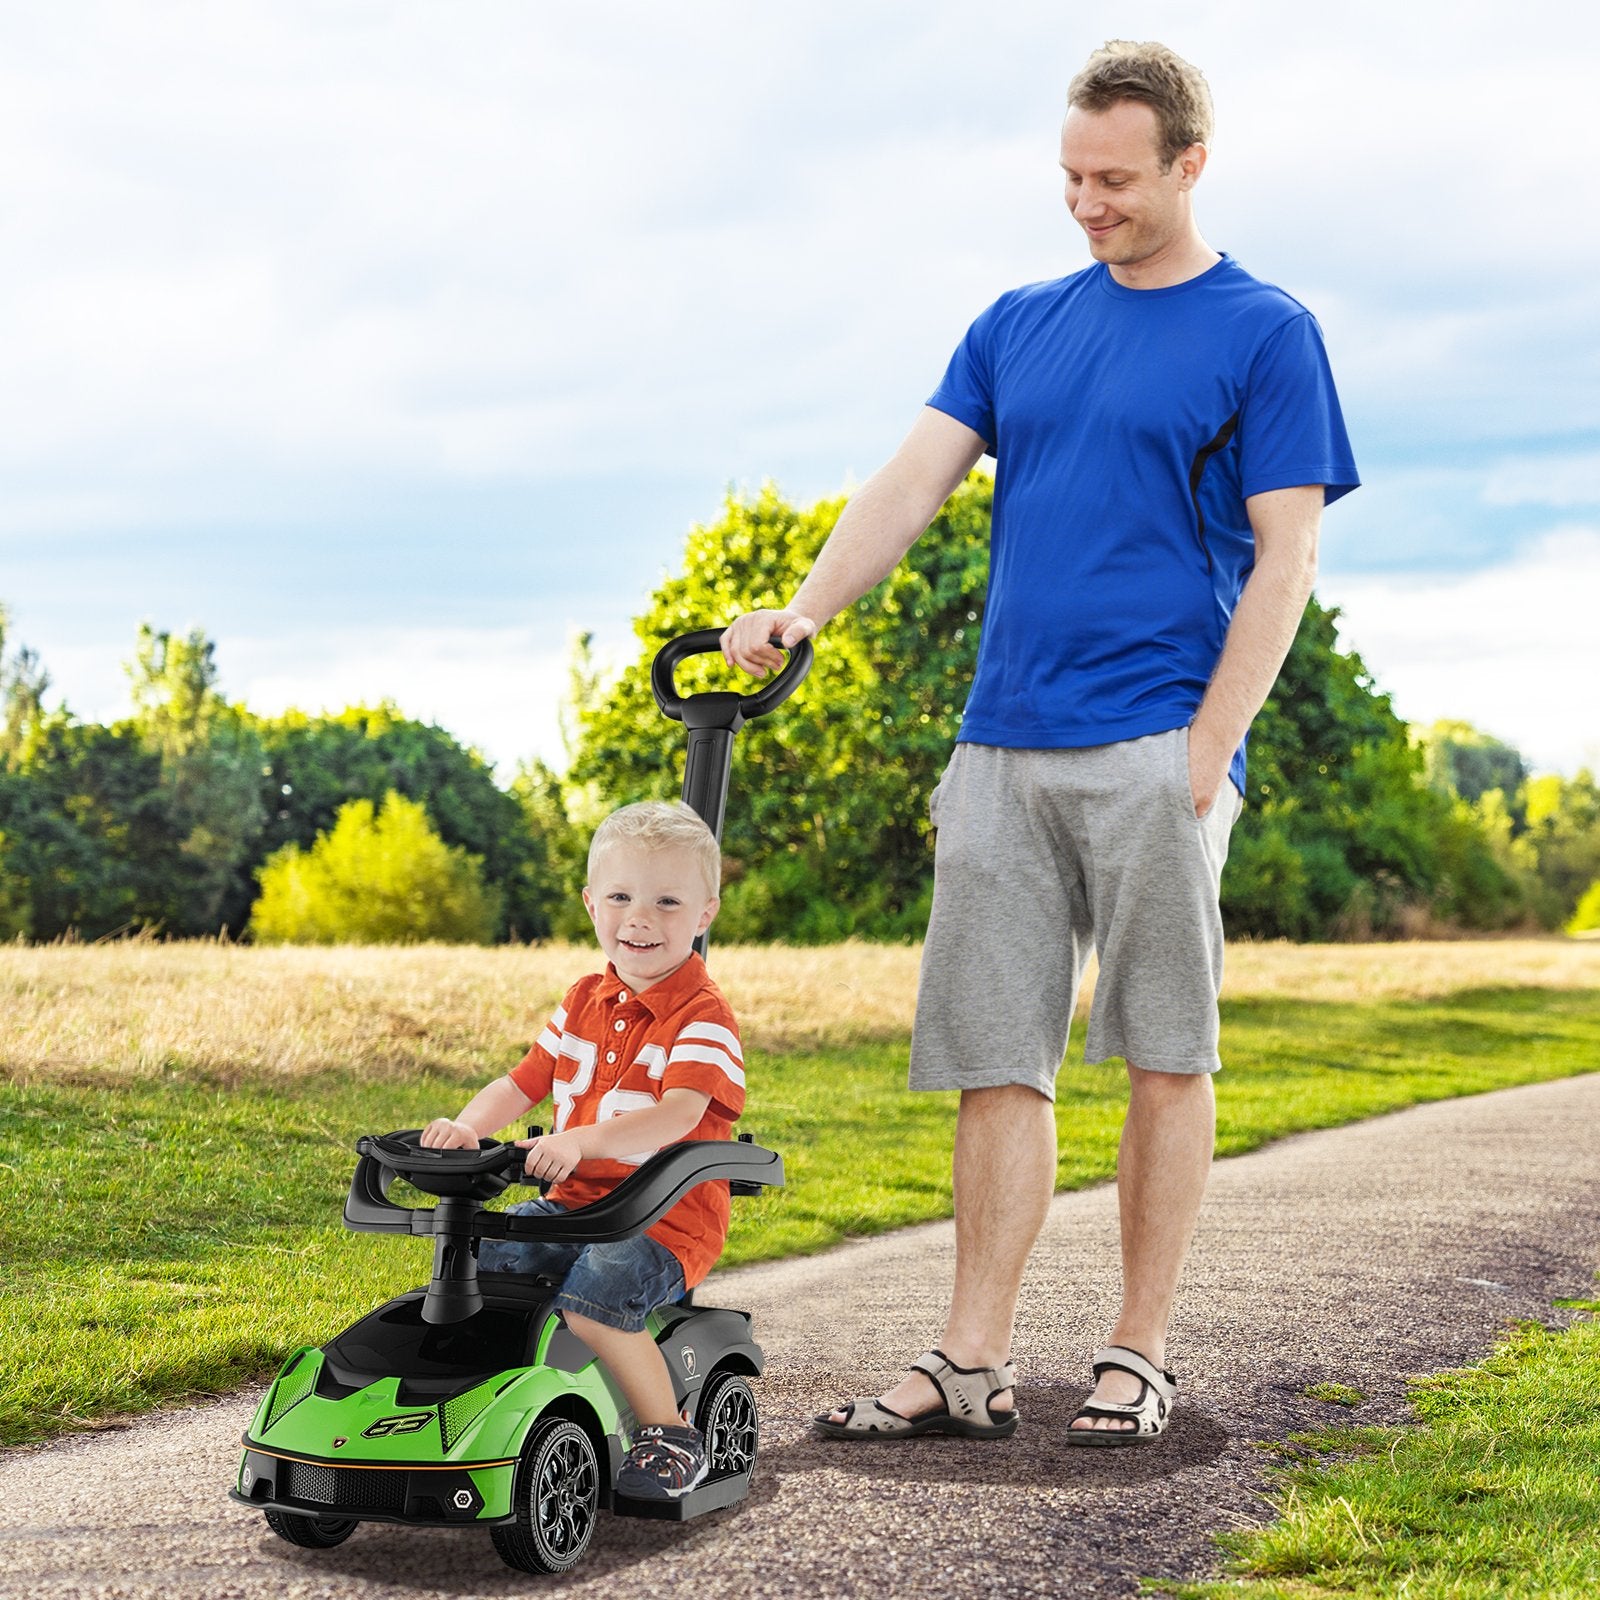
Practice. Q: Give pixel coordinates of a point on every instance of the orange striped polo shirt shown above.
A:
(608, 1050)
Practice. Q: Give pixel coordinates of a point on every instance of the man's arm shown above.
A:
(884, 518)
(1286, 523)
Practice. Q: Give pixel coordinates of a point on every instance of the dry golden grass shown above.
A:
(143, 1008)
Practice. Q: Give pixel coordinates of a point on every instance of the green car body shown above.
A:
(388, 1424)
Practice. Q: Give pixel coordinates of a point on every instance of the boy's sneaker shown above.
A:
(664, 1464)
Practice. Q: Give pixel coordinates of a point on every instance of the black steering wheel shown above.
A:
(479, 1174)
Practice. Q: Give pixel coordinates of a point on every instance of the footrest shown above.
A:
(715, 1494)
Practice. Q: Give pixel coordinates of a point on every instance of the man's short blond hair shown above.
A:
(662, 825)
(1164, 81)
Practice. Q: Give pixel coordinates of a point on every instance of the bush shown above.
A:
(1587, 915)
(376, 878)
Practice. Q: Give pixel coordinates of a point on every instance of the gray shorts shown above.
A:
(1041, 852)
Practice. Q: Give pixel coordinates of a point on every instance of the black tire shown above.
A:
(311, 1533)
(726, 1415)
(556, 1499)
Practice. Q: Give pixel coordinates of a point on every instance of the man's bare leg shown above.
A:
(1004, 1176)
(1162, 1166)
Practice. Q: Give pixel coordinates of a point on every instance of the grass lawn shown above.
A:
(1495, 1497)
(172, 1220)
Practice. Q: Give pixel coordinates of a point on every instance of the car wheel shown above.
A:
(726, 1415)
(312, 1533)
(556, 1499)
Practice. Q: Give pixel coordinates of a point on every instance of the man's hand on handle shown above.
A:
(746, 642)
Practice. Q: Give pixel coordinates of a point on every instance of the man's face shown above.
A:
(1128, 207)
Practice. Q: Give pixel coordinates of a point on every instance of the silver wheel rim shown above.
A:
(565, 1496)
(731, 1430)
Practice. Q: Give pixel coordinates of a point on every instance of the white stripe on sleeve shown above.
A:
(550, 1039)
(726, 1037)
(710, 1056)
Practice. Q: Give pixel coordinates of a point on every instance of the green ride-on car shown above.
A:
(470, 1403)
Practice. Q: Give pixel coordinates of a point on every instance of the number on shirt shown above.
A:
(614, 1103)
(563, 1091)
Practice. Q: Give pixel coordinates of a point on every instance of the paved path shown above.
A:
(1354, 1256)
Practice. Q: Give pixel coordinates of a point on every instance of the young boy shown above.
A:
(641, 1057)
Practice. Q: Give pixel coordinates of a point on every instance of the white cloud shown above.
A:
(1513, 647)
(499, 689)
(1562, 481)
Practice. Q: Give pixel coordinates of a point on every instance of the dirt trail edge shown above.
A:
(1355, 1256)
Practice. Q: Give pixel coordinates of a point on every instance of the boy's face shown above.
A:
(648, 907)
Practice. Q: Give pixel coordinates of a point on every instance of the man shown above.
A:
(1166, 433)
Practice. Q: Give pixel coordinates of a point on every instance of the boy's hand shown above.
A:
(445, 1133)
(551, 1157)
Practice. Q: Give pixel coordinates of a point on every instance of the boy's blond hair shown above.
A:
(662, 825)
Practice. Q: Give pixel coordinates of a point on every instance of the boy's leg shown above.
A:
(606, 1298)
(636, 1362)
(529, 1256)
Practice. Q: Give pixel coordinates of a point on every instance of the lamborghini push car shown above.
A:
(470, 1403)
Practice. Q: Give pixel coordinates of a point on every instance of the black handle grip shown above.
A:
(518, 1170)
(708, 641)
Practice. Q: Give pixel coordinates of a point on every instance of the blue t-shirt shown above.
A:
(1128, 426)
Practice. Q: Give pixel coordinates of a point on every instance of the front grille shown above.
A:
(372, 1491)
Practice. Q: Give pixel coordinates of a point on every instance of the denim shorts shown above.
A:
(618, 1284)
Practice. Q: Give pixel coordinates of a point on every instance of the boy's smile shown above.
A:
(648, 906)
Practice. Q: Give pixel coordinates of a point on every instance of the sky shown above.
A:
(394, 344)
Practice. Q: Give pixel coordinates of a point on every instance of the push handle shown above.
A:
(708, 641)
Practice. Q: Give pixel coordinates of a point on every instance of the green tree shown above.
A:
(211, 761)
(313, 765)
(1342, 837)
(1561, 837)
(14, 918)
(1462, 760)
(91, 846)
(557, 866)
(1586, 917)
(378, 877)
(23, 682)
(826, 831)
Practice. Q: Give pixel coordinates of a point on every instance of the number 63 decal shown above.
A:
(387, 1427)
